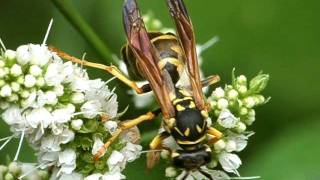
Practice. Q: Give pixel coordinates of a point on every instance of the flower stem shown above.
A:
(72, 15)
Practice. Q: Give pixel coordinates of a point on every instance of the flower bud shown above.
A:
(218, 93)
(77, 98)
(222, 103)
(259, 83)
(2, 64)
(213, 104)
(219, 145)
(5, 91)
(25, 94)
(171, 172)
(13, 98)
(23, 55)
(15, 87)
(242, 89)
(243, 111)
(2, 72)
(59, 90)
(40, 82)
(3, 169)
(16, 70)
(14, 168)
(249, 102)
(250, 120)
(233, 94)
(242, 80)
(241, 127)
(35, 70)
(29, 81)
(76, 124)
(252, 113)
(20, 80)
(165, 154)
(8, 176)
(9, 54)
(2, 82)
(212, 164)
(51, 98)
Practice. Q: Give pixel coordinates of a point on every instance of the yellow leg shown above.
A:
(214, 134)
(123, 126)
(110, 69)
(210, 80)
(152, 156)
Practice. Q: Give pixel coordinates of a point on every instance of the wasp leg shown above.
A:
(214, 134)
(123, 126)
(152, 156)
(210, 80)
(110, 69)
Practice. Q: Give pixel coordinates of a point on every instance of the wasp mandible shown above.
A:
(169, 63)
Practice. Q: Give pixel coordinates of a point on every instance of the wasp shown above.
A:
(169, 64)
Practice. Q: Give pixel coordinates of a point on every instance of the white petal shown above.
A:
(39, 116)
(67, 157)
(114, 174)
(96, 176)
(111, 126)
(96, 146)
(12, 115)
(61, 115)
(116, 159)
(73, 176)
(227, 119)
(131, 151)
(91, 108)
(229, 162)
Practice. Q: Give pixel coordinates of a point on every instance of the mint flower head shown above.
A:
(65, 116)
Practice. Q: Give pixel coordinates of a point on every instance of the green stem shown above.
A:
(72, 15)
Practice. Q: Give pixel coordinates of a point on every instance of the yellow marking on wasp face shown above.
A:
(178, 131)
(192, 105)
(204, 113)
(187, 132)
(191, 142)
(176, 101)
(180, 108)
(163, 37)
(199, 129)
(162, 63)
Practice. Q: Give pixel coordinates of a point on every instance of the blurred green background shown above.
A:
(280, 37)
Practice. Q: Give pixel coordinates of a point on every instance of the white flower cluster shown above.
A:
(14, 170)
(233, 110)
(63, 114)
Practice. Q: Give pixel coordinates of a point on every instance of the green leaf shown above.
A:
(258, 83)
(89, 126)
(292, 155)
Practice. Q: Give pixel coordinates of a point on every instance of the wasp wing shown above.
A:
(146, 56)
(184, 27)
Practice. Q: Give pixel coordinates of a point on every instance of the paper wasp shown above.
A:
(169, 64)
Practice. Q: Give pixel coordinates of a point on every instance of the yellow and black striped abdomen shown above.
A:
(169, 52)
